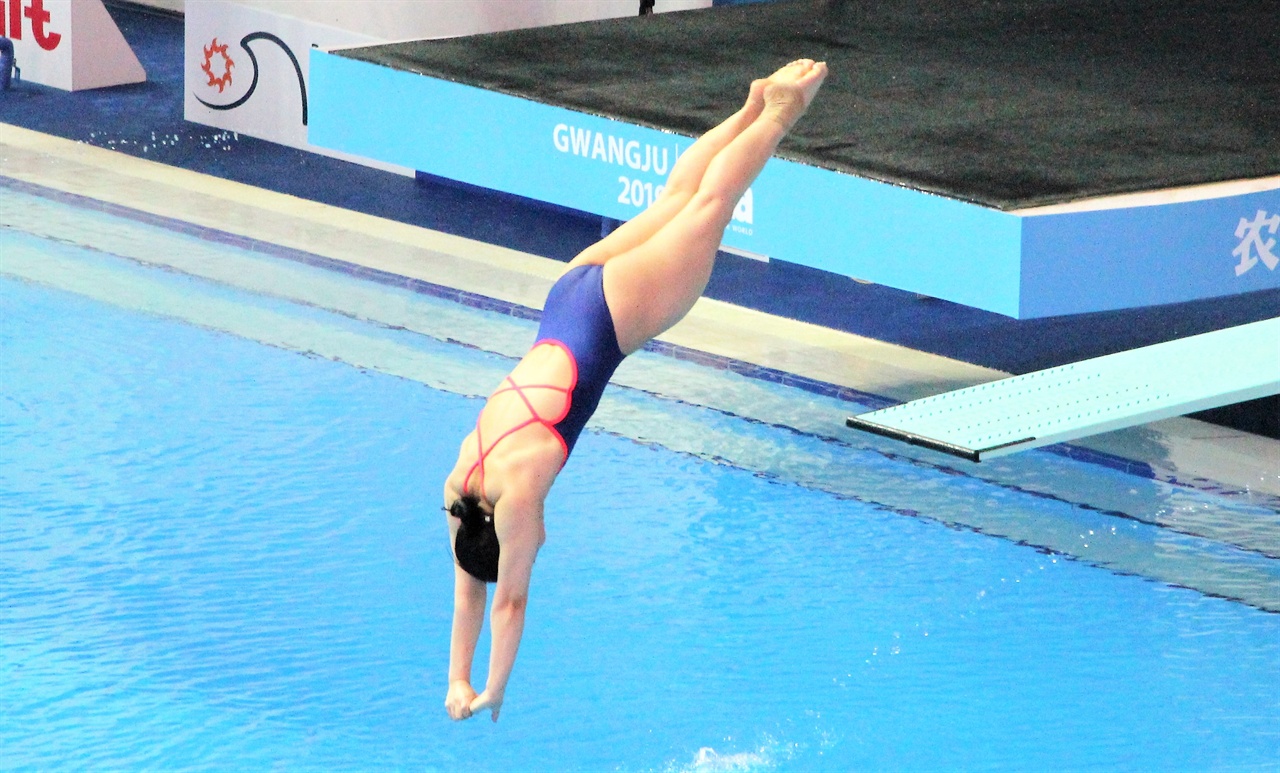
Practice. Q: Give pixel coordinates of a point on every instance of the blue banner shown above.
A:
(1019, 266)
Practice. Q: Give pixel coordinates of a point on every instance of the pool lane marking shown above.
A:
(823, 354)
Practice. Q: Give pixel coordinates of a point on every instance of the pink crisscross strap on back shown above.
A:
(534, 418)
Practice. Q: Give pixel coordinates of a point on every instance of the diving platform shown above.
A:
(1032, 159)
(1090, 397)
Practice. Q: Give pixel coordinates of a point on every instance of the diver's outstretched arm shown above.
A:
(469, 595)
(518, 524)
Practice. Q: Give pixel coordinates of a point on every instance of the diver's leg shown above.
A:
(684, 180)
(651, 286)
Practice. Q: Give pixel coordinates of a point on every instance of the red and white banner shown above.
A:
(68, 44)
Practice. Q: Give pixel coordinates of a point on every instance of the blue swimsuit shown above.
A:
(576, 318)
(577, 315)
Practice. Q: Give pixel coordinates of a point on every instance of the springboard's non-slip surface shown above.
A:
(1008, 104)
(1089, 397)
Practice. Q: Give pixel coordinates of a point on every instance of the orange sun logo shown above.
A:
(220, 81)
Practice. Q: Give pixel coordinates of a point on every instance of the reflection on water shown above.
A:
(219, 554)
(237, 550)
(1227, 546)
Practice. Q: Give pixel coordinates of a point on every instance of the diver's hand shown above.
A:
(458, 701)
(488, 700)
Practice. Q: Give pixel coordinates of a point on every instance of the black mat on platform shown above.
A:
(1008, 103)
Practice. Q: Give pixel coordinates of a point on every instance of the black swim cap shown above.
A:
(476, 545)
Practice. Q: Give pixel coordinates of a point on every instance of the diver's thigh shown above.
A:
(650, 287)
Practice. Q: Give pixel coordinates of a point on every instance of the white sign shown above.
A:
(247, 61)
(68, 44)
(246, 70)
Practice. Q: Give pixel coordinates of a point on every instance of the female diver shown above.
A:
(613, 297)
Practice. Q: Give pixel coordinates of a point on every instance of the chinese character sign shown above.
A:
(1254, 246)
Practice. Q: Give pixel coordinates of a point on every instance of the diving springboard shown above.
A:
(1090, 397)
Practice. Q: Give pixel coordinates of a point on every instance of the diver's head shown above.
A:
(476, 545)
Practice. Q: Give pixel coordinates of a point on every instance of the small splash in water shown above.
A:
(708, 760)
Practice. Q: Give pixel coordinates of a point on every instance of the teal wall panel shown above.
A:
(1024, 267)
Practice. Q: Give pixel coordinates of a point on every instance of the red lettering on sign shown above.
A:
(15, 20)
(40, 17)
(11, 22)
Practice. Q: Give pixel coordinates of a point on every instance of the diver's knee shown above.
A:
(712, 211)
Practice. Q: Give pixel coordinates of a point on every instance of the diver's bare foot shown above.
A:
(790, 71)
(786, 74)
(789, 91)
(755, 97)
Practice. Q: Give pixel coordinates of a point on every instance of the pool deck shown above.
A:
(1175, 449)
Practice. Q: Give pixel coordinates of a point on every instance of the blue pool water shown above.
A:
(219, 554)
